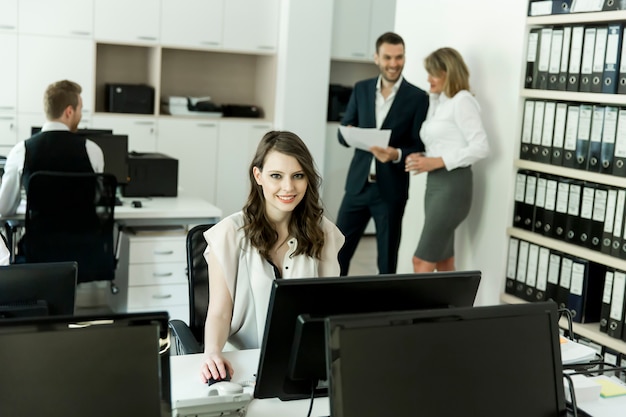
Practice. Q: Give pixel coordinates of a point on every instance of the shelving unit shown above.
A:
(587, 330)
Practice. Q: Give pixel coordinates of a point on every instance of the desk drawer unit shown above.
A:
(152, 275)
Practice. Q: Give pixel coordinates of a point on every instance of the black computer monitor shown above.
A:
(37, 289)
(292, 356)
(97, 366)
(494, 361)
(115, 150)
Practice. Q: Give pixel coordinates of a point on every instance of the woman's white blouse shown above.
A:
(249, 276)
(453, 130)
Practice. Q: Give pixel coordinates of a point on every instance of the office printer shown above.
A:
(151, 174)
(190, 106)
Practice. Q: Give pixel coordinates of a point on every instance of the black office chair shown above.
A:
(69, 217)
(190, 339)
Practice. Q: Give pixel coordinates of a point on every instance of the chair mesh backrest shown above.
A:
(69, 217)
(198, 275)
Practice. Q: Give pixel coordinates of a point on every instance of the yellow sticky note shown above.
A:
(610, 388)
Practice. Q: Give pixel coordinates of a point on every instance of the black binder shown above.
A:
(560, 212)
(532, 53)
(571, 136)
(556, 49)
(547, 133)
(618, 223)
(607, 148)
(585, 292)
(595, 139)
(605, 310)
(543, 60)
(528, 219)
(537, 130)
(583, 223)
(565, 279)
(550, 206)
(584, 134)
(542, 8)
(597, 219)
(558, 136)
(573, 223)
(554, 272)
(541, 289)
(613, 5)
(621, 85)
(565, 58)
(530, 287)
(522, 263)
(520, 210)
(511, 266)
(609, 220)
(599, 54)
(527, 130)
(619, 157)
(575, 58)
(616, 316)
(540, 203)
(612, 59)
(586, 65)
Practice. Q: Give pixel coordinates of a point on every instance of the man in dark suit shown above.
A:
(377, 185)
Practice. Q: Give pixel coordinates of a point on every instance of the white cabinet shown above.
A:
(8, 130)
(194, 144)
(236, 147)
(8, 15)
(8, 72)
(141, 130)
(43, 60)
(251, 25)
(356, 26)
(202, 21)
(56, 17)
(136, 21)
(151, 274)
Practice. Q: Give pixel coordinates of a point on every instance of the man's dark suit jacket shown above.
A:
(405, 118)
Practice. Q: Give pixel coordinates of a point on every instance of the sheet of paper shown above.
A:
(365, 138)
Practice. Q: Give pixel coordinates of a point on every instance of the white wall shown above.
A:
(490, 36)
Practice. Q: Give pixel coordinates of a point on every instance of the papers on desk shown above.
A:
(212, 406)
(572, 352)
(365, 138)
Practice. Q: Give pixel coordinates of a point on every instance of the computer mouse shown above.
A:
(136, 203)
(212, 380)
(225, 388)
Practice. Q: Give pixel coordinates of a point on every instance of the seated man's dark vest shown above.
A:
(55, 150)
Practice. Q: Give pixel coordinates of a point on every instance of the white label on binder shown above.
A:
(555, 51)
(548, 124)
(571, 130)
(522, 261)
(533, 259)
(551, 189)
(586, 6)
(512, 260)
(610, 211)
(584, 121)
(586, 210)
(520, 187)
(577, 49)
(540, 200)
(600, 49)
(533, 41)
(559, 125)
(561, 197)
(542, 268)
(566, 273)
(554, 269)
(573, 205)
(538, 122)
(527, 127)
(544, 49)
(567, 37)
(608, 287)
(588, 48)
(597, 124)
(531, 189)
(610, 125)
(599, 205)
(578, 278)
(619, 213)
(617, 298)
(620, 135)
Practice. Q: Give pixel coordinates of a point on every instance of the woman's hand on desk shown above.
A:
(215, 366)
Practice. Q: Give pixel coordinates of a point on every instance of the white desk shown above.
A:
(157, 211)
(186, 384)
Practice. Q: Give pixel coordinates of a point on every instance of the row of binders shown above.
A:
(577, 58)
(582, 136)
(577, 212)
(548, 7)
(536, 273)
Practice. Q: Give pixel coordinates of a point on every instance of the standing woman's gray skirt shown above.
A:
(447, 202)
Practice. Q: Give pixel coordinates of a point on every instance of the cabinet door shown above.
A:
(127, 21)
(141, 131)
(8, 72)
(351, 29)
(8, 130)
(383, 19)
(251, 25)
(193, 23)
(44, 60)
(236, 147)
(194, 144)
(71, 17)
(8, 15)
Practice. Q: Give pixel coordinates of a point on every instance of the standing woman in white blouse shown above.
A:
(454, 139)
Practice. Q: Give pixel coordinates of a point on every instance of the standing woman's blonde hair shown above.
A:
(450, 62)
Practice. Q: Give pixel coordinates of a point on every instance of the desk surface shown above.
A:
(186, 384)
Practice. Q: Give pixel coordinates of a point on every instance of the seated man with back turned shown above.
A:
(56, 148)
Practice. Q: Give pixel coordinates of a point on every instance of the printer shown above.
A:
(151, 174)
(190, 106)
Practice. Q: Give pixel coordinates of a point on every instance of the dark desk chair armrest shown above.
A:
(183, 341)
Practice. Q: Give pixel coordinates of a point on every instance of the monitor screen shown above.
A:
(37, 289)
(115, 150)
(96, 366)
(294, 330)
(482, 361)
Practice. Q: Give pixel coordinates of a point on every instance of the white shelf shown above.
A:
(589, 330)
(558, 95)
(577, 174)
(576, 18)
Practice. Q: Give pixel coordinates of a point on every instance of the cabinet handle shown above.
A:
(80, 32)
(266, 47)
(162, 274)
(359, 54)
(212, 43)
(145, 123)
(260, 127)
(162, 296)
(7, 27)
(7, 118)
(163, 252)
(7, 108)
(207, 125)
(147, 38)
